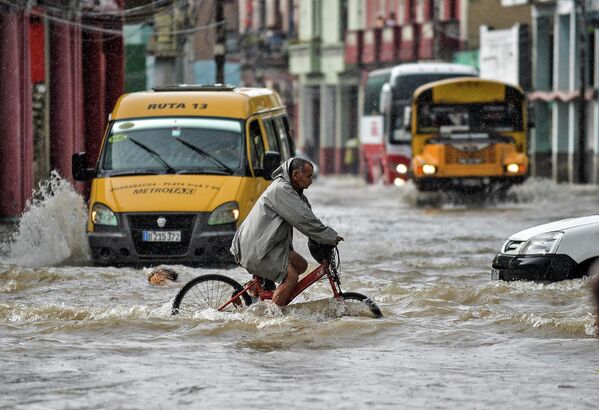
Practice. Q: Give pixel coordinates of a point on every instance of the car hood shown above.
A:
(160, 193)
(562, 225)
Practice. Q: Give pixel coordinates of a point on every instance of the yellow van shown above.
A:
(179, 168)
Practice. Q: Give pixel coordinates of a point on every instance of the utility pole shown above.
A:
(219, 43)
(582, 104)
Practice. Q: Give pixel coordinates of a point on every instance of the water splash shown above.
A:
(51, 230)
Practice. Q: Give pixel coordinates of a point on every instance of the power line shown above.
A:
(117, 33)
(53, 14)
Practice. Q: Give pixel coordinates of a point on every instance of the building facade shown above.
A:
(61, 70)
(565, 140)
(338, 42)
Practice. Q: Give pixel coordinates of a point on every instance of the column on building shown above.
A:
(62, 98)
(346, 153)
(327, 129)
(94, 92)
(594, 114)
(16, 139)
(301, 116)
(540, 148)
(77, 102)
(560, 138)
(114, 52)
(340, 131)
(574, 155)
(309, 120)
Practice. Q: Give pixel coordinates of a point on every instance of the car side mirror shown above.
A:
(79, 167)
(272, 160)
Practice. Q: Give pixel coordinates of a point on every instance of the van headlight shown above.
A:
(542, 244)
(103, 215)
(224, 214)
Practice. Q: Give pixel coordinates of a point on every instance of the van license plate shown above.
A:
(162, 236)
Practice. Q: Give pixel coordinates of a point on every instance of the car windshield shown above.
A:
(173, 145)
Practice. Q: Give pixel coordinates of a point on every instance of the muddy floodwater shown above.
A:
(74, 336)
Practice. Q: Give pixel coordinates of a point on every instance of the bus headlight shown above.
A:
(224, 214)
(429, 169)
(103, 215)
(401, 169)
(512, 168)
(542, 244)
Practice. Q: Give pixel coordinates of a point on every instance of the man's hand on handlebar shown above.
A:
(339, 239)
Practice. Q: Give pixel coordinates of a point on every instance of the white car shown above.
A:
(560, 250)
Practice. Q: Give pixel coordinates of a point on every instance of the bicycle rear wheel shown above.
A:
(209, 292)
(359, 304)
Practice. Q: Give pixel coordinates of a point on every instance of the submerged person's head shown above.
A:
(160, 276)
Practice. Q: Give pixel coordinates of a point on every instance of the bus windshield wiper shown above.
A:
(203, 171)
(205, 155)
(130, 172)
(154, 154)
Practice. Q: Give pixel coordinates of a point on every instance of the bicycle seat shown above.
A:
(266, 284)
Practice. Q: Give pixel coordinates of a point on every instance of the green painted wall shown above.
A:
(135, 68)
(469, 57)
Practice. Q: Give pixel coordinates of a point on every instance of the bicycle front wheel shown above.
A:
(359, 304)
(209, 292)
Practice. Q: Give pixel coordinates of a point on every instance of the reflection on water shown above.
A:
(77, 336)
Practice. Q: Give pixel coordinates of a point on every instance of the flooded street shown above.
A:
(76, 336)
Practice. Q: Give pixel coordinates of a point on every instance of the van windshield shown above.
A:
(174, 145)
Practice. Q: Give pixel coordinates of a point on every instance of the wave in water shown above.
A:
(51, 230)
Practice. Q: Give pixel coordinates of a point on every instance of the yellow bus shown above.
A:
(180, 167)
(469, 134)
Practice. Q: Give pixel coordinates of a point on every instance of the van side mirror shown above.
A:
(272, 160)
(79, 167)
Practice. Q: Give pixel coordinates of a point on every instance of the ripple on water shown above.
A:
(14, 279)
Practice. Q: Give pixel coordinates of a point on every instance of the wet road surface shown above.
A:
(76, 336)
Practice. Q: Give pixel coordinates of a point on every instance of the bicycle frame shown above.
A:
(304, 283)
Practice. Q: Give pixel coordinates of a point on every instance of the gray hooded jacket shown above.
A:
(262, 242)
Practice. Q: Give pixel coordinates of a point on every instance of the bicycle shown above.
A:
(223, 293)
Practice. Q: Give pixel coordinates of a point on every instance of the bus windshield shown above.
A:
(173, 145)
(403, 89)
(405, 85)
(498, 117)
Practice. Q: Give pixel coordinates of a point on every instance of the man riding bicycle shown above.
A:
(263, 242)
